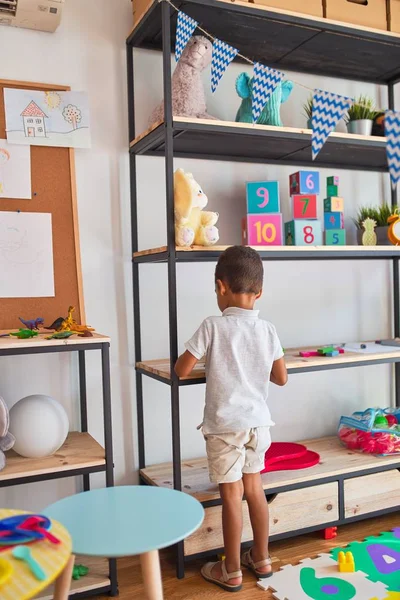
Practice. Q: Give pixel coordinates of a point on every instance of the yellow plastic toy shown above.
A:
(6, 570)
(346, 562)
(69, 324)
(193, 225)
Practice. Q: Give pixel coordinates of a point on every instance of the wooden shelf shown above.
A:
(160, 369)
(96, 579)
(245, 142)
(13, 343)
(336, 460)
(212, 253)
(79, 453)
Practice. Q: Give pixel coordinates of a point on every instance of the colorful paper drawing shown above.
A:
(26, 255)
(15, 171)
(47, 118)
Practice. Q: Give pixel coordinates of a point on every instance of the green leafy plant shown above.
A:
(307, 107)
(379, 214)
(363, 108)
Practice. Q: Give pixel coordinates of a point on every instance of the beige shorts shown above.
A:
(232, 454)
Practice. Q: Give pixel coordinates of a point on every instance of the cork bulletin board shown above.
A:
(53, 191)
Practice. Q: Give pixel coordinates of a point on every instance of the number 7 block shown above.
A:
(304, 182)
(304, 206)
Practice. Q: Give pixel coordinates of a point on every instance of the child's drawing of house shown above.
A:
(34, 124)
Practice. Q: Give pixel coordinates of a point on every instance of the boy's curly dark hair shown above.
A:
(241, 268)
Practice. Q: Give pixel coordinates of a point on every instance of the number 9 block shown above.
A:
(262, 197)
(262, 230)
(304, 182)
(303, 233)
(304, 206)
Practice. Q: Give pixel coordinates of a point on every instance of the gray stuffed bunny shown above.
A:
(188, 98)
(7, 440)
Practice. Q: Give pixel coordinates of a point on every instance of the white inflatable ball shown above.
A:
(39, 424)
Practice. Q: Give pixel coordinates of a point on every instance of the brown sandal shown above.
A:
(248, 562)
(226, 577)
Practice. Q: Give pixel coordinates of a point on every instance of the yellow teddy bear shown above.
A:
(192, 224)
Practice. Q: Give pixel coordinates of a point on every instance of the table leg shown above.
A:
(63, 583)
(151, 573)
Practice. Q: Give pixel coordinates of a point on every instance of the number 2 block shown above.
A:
(303, 233)
(304, 206)
(333, 220)
(262, 197)
(333, 204)
(335, 237)
(304, 182)
(262, 230)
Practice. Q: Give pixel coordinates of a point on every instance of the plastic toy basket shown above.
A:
(374, 431)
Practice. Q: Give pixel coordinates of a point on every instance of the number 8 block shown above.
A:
(262, 197)
(303, 233)
(304, 182)
(262, 230)
(304, 206)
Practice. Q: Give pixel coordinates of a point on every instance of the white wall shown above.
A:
(309, 302)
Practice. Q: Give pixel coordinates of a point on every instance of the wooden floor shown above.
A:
(285, 552)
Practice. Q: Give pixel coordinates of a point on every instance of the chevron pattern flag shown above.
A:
(265, 80)
(184, 30)
(392, 132)
(327, 110)
(222, 55)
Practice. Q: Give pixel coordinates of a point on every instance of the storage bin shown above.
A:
(370, 13)
(140, 7)
(394, 16)
(311, 7)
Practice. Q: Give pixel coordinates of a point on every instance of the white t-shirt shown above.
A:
(240, 350)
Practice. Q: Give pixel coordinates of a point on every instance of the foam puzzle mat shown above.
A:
(376, 576)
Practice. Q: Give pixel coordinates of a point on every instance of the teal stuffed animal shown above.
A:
(271, 112)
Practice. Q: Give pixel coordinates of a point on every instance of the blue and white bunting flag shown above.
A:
(222, 55)
(392, 132)
(184, 30)
(265, 80)
(327, 110)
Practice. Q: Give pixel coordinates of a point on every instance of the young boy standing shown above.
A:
(243, 354)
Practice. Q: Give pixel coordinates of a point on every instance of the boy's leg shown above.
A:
(259, 517)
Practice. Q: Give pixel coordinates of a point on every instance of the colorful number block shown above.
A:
(262, 230)
(332, 190)
(333, 220)
(334, 180)
(303, 233)
(304, 206)
(335, 237)
(262, 197)
(304, 182)
(333, 204)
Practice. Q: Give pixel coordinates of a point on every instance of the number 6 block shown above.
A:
(262, 230)
(262, 197)
(304, 182)
(304, 206)
(303, 233)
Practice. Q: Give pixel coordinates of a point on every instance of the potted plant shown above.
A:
(361, 115)
(380, 215)
(307, 111)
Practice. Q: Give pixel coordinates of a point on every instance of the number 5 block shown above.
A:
(262, 230)
(303, 233)
(262, 197)
(304, 206)
(335, 237)
(304, 182)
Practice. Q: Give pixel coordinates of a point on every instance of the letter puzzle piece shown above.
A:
(333, 220)
(304, 182)
(262, 230)
(304, 206)
(262, 197)
(346, 562)
(335, 237)
(303, 233)
(319, 579)
(333, 204)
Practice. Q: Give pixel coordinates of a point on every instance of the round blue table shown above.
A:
(128, 521)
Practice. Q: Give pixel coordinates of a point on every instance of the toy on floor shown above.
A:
(346, 562)
(263, 223)
(79, 571)
(370, 432)
(188, 97)
(7, 440)
(330, 533)
(284, 456)
(192, 224)
(32, 323)
(270, 114)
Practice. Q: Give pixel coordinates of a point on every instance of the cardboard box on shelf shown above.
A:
(394, 16)
(358, 12)
(140, 7)
(311, 7)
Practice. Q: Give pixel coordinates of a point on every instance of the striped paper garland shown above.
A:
(184, 31)
(392, 132)
(265, 81)
(327, 110)
(222, 55)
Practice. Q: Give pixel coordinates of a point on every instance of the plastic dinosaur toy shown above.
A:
(69, 324)
(60, 335)
(56, 324)
(32, 323)
(24, 334)
(79, 571)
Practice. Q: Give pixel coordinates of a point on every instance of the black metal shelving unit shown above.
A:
(284, 41)
(96, 460)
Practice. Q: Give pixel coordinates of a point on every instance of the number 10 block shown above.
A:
(262, 230)
(304, 207)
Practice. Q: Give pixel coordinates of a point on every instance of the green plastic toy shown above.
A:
(381, 421)
(24, 334)
(79, 571)
(60, 335)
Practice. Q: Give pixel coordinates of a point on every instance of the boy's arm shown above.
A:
(185, 364)
(279, 374)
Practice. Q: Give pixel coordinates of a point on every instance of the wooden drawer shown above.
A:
(394, 16)
(288, 511)
(370, 14)
(311, 7)
(369, 493)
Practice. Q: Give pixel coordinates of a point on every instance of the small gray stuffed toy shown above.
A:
(188, 98)
(7, 440)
